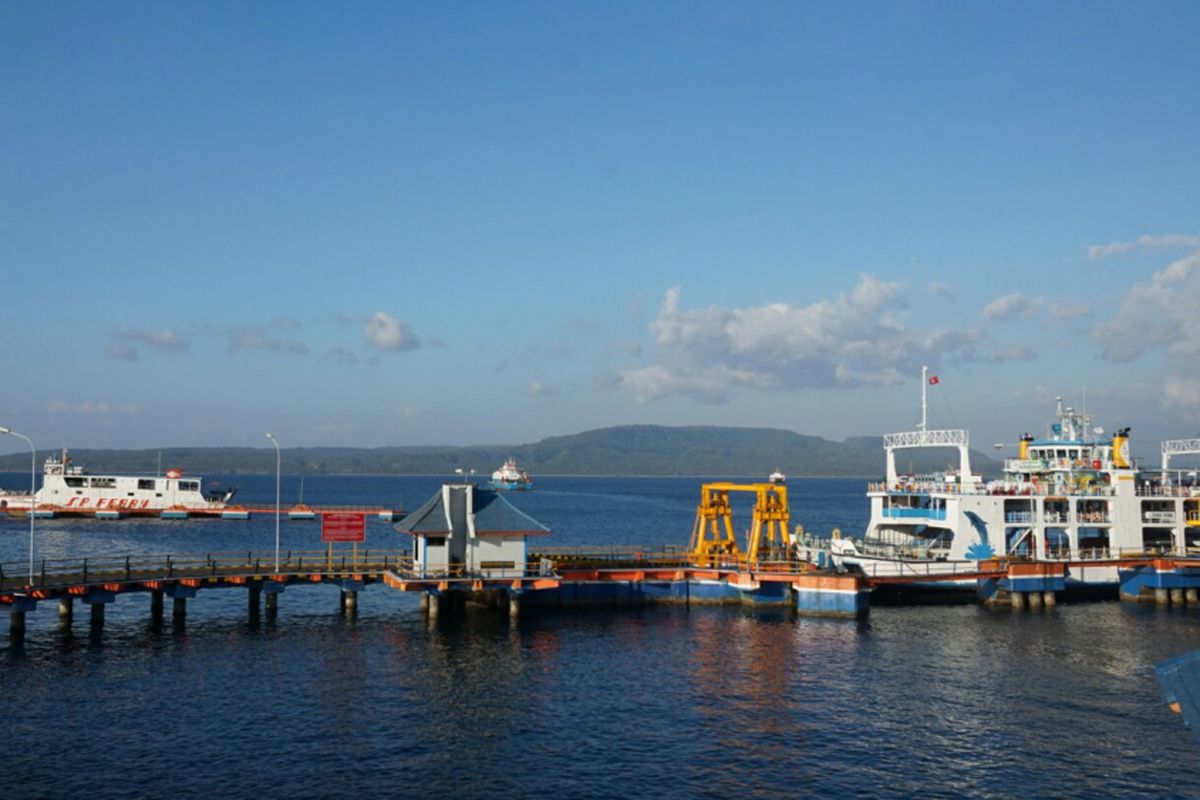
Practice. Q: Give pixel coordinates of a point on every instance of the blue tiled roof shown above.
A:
(494, 514)
(429, 518)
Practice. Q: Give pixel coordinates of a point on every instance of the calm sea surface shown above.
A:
(956, 701)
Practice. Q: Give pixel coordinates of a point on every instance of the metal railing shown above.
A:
(60, 573)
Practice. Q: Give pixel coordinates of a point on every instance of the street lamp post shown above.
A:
(278, 466)
(32, 487)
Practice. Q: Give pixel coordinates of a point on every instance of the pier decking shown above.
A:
(568, 576)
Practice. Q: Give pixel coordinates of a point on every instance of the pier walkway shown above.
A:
(552, 575)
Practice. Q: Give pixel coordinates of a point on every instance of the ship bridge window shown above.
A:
(104, 483)
(145, 484)
(74, 482)
(189, 486)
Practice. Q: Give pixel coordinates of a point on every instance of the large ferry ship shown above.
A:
(511, 477)
(1071, 494)
(70, 489)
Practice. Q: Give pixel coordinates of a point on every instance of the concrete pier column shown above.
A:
(179, 609)
(1162, 597)
(423, 602)
(98, 615)
(253, 599)
(1192, 596)
(1177, 597)
(156, 605)
(1048, 599)
(16, 625)
(435, 601)
(514, 606)
(66, 609)
(272, 603)
(349, 601)
(1035, 599)
(1018, 600)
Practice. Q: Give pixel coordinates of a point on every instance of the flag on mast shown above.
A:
(934, 380)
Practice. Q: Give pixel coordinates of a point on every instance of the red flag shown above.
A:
(933, 380)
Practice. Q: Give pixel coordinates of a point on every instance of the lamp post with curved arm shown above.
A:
(32, 487)
(278, 465)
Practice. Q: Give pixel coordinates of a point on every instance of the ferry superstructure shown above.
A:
(511, 477)
(70, 489)
(1069, 495)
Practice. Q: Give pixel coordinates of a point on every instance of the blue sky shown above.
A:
(381, 224)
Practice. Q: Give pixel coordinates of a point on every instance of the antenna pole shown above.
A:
(924, 404)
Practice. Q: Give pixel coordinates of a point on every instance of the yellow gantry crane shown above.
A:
(713, 533)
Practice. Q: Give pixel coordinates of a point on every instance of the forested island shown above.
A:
(652, 450)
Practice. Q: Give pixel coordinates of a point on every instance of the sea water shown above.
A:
(945, 701)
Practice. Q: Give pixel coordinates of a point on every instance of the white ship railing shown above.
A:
(1003, 490)
(945, 438)
(1168, 491)
(1178, 447)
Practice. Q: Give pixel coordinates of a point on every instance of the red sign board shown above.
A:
(343, 527)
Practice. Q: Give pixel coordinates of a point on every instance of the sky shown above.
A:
(374, 224)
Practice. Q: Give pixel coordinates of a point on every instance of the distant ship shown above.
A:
(777, 477)
(71, 490)
(512, 477)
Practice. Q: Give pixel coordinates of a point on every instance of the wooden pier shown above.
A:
(553, 576)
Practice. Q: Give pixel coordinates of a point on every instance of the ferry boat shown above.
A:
(1071, 494)
(777, 477)
(511, 477)
(69, 489)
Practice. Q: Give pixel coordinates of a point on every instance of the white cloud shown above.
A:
(122, 351)
(1012, 353)
(1011, 306)
(539, 389)
(857, 339)
(253, 338)
(943, 291)
(1159, 313)
(124, 344)
(1170, 240)
(384, 332)
(1181, 392)
(339, 355)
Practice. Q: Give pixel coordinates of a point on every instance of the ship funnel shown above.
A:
(1023, 449)
(1120, 446)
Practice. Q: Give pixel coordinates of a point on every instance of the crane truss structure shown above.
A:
(768, 538)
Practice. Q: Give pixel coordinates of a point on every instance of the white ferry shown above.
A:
(511, 477)
(1069, 495)
(69, 489)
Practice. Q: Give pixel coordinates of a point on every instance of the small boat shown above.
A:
(44, 513)
(300, 510)
(106, 513)
(174, 513)
(511, 477)
(235, 512)
(777, 477)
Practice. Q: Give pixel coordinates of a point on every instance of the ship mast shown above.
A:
(924, 404)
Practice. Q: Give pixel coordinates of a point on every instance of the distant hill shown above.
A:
(624, 450)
